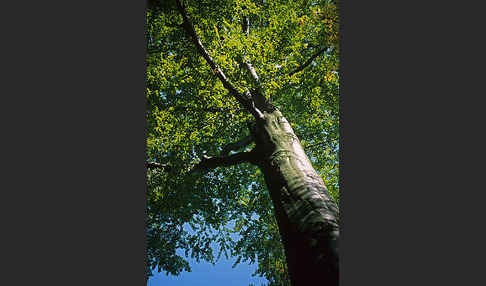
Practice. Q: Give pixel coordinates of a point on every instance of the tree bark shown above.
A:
(306, 214)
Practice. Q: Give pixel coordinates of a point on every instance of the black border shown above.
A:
(76, 146)
(73, 182)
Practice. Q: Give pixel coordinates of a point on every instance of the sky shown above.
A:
(203, 274)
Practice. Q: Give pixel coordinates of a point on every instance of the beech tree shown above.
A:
(242, 136)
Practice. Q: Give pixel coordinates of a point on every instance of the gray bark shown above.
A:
(306, 214)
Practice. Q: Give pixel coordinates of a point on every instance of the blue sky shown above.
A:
(203, 274)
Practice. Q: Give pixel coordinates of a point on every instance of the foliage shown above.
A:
(189, 114)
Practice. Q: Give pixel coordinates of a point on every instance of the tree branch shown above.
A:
(246, 62)
(224, 160)
(155, 165)
(245, 102)
(308, 62)
(253, 74)
(246, 25)
(194, 109)
(236, 145)
(221, 161)
(259, 96)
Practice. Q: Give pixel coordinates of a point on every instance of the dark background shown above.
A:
(73, 176)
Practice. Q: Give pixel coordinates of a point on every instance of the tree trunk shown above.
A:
(306, 214)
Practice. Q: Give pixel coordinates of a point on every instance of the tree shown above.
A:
(220, 76)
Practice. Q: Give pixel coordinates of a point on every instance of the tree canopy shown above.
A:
(293, 46)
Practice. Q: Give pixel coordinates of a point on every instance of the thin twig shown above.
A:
(308, 62)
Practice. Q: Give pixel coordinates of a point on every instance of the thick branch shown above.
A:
(155, 165)
(249, 67)
(195, 109)
(219, 73)
(246, 25)
(236, 145)
(258, 97)
(253, 74)
(214, 162)
(308, 62)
